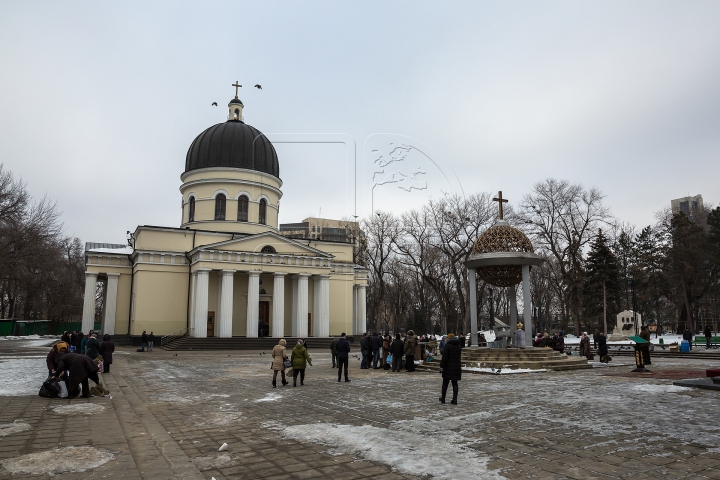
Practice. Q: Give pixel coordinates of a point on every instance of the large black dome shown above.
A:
(230, 144)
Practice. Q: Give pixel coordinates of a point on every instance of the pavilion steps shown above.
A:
(242, 343)
(513, 359)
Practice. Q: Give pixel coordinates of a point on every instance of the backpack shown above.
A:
(50, 389)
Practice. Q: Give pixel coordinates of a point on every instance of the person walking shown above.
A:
(299, 359)
(364, 351)
(451, 367)
(397, 348)
(278, 364)
(602, 348)
(81, 368)
(92, 349)
(144, 339)
(343, 353)
(151, 341)
(409, 350)
(375, 346)
(107, 347)
(585, 346)
(687, 335)
(708, 336)
(333, 352)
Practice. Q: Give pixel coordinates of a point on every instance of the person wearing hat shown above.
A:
(343, 352)
(53, 355)
(519, 336)
(451, 367)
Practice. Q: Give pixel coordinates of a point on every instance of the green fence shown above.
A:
(39, 327)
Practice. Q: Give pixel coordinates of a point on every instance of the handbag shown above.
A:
(52, 387)
(389, 358)
(287, 363)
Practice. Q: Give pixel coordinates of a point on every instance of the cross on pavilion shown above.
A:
(236, 85)
(500, 201)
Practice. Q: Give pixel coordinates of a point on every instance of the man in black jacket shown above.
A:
(343, 350)
(375, 346)
(144, 340)
(687, 335)
(365, 351)
(397, 348)
(451, 367)
(708, 336)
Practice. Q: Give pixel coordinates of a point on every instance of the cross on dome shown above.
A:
(236, 85)
(500, 201)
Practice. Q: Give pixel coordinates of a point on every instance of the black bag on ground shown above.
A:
(139, 350)
(50, 389)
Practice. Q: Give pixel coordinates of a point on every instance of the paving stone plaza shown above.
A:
(169, 415)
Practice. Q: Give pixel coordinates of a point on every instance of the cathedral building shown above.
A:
(226, 270)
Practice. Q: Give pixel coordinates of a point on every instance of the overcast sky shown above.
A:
(99, 101)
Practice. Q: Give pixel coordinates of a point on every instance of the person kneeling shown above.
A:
(80, 367)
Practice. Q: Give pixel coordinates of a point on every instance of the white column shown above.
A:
(278, 316)
(294, 307)
(218, 309)
(225, 303)
(513, 311)
(300, 315)
(88, 318)
(191, 306)
(362, 308)
(323, 319)
(201, 302)
(110, 303)
(527, 306)
(355, 328)
(473, 307)
(316, 306)
(253, 306)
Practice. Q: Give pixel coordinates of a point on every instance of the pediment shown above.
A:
(255, 244)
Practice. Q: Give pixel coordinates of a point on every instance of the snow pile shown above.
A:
(79, 408)
(655, 389)
(15, 427)
(503, 371)
(21, 376)
(60, 460)
(440, 459)
(212, 462)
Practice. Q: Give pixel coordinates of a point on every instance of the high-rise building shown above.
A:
(690, 206)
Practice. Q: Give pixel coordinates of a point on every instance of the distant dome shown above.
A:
(502, 238)
(230, 145)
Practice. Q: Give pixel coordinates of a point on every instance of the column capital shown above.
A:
(227, 272)
(91, 274)
(254, 273)
(325, 277)
(203, 270)
(113, 275)
(301, 275)
(279, 274)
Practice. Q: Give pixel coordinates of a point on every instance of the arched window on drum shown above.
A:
(191, 209)
(220, 202)
(262, 217)
(242, 214)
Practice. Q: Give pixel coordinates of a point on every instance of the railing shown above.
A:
(175, 335)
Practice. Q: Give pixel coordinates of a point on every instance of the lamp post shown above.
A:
(631, 282)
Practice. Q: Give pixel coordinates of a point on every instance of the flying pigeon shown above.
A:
(214, 104)
(258, 87)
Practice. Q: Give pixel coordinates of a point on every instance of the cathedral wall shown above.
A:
(163, 240)
(240, 289)
(343, 252)
(160, 301)
(122, 307)
(341, 304)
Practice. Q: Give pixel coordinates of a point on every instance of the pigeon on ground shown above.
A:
(214, 104)
(498, 371)
(175, 355)
(258, 87)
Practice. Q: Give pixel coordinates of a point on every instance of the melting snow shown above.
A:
(33, 373)
(270, 397)
(79, 408)
(60, 460)
(503, 371)
(15, 427)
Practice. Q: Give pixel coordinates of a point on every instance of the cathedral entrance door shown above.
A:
(264, 314)
(211, 324)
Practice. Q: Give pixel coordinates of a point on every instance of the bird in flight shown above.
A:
(259, 87)
(214, 104)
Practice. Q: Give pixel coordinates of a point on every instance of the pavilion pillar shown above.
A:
(355, 328)
(88, 318)
(225, 303)
(321, 325)
(300, 312)
(316, 306)
(278, 316)
(513, 311)
(253, 306)
(110, 303)
(473, 306)
(201, 303)
(527, 306)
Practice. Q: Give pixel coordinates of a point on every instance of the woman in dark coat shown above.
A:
(92, 347)
(81, 367)
(602, 347)
(107, 347)
(451, 367)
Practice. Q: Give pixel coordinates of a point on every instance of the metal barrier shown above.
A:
(175, 335)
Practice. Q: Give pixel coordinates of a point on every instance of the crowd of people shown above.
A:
(74, 360)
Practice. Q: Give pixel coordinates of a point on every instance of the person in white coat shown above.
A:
(519, 336)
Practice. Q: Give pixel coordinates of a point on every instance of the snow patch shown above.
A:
(446, 459)
(79, 408)
(60, 460)
(659, 388)
(15, 427)
(503, 371)
(270, 397)
(34, 373)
